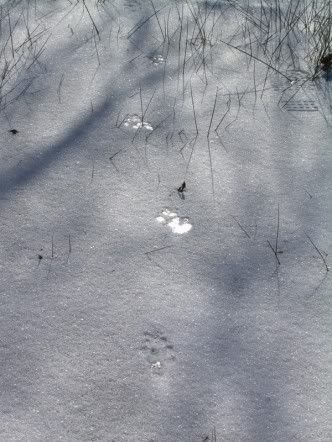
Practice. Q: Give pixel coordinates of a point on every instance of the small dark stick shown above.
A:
(40, 257)
(13, 131)
(182, 188)
(319, 252)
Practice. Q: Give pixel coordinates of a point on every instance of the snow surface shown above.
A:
(134, 312)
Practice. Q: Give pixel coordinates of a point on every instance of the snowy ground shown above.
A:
(134, 312)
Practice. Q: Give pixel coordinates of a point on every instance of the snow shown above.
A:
(135, 312)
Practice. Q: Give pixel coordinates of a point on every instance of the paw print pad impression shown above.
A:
(135, 122)
(159, 352)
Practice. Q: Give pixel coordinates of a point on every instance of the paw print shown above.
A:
(157, 59)
(158, 351)
(176, 223)
(135, 122)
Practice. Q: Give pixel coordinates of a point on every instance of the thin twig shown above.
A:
(213, 110)
(93, 23)
(256, 58)
(156, 14)
(318, 251)
(141, 101)
(275, 254)
(193, 105)
(52, 249)
(228, 105)
(59, 87)
(93, 170)
(241, 227)
(211, 169)
(133, 30)
(147, 254)
(69, 248)
(277, 235)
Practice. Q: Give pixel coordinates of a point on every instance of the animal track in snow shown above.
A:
(158, 351)
(300, 105)
(135, 122)
(157, 59)
(176, 223)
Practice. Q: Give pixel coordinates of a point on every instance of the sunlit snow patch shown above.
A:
(135, 122)
(176, 223)
(179, 225)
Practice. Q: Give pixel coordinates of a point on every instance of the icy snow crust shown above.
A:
(130, 310)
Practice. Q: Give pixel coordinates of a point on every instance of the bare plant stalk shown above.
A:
(213, 110)
(193, 105)
(156, 14)
(92, 21)
(59, 87)
(141, 101)
(277, 235)
(241, 227)
(318, 251)
(148, 105)
(11, 36)
(93, 170)
(184, 62)
(256, 58)
(275, 254)
(137, 27)
(228, 105)
(69, 249)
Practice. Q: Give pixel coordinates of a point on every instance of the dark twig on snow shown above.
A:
(147, 254)
(275, 250)
(92, 21)
(138, 26)
(277, 235)
(241, 227)
(318, 251)
(275, 254)
(213, 111)
(59, 87)
(69, 248)
(193, 105)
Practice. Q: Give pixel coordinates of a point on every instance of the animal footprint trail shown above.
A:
(177, 224)
(135, 122)
(158, 351)
(157, 59)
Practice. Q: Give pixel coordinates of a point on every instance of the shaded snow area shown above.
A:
(165, 189)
